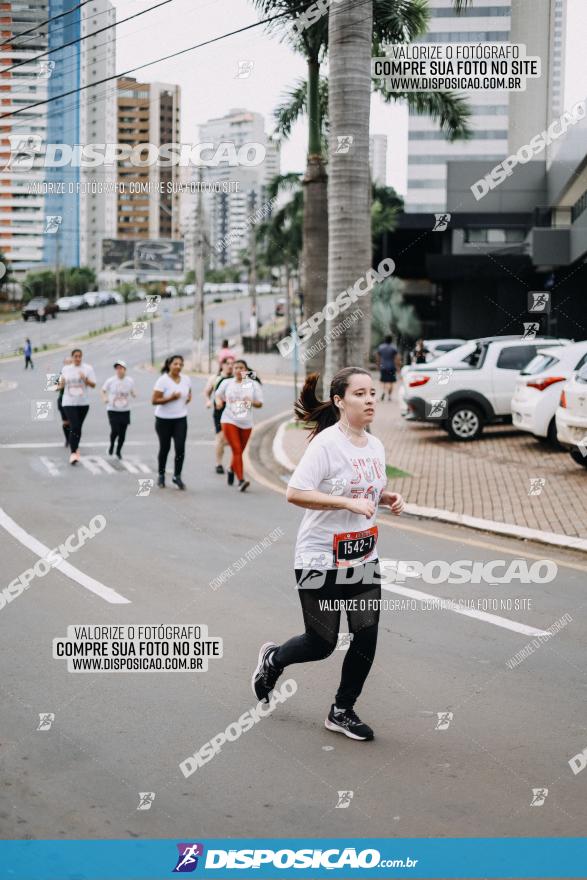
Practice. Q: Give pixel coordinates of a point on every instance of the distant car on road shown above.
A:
(39, 308)
(105, 297)
(474, 392)
(92, 299)
(117, 297)
(66, 304)
(571, 417)
(538, 388)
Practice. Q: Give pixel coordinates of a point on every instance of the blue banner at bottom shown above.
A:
(294, 857)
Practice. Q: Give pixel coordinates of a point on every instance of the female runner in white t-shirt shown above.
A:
(340, 482)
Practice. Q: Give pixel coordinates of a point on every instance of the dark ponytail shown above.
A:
(323, 413)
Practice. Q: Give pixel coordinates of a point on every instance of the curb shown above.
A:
(449, 516)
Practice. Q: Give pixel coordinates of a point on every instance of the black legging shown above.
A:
(75, 416)
(166, 429)
(322, 626)
(64, 422)
(119, 422)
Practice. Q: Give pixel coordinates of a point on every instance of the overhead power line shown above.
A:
(43, 23)
(85, 37)
(106, 79)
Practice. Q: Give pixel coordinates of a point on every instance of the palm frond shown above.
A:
(293, 106)
(450, 110)
(402, 21)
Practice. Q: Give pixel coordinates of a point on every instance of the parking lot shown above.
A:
(489, 478)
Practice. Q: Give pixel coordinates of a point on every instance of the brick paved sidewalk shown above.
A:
(488, 478)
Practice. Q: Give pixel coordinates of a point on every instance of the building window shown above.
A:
(494, 236)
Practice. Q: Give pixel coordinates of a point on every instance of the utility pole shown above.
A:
(253, 268)
(57, 269)
(199, 265)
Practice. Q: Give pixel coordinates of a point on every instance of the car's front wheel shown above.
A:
(25, 317)
(465, 422)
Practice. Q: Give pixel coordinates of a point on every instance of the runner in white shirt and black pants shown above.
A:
(171, 395)
(75, 380)
(116, 393)
(340, 481)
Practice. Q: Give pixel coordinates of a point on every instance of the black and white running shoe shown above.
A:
(265, 676)
(348, 722)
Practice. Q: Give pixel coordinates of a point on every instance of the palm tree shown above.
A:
(350, 40)
(396, 22)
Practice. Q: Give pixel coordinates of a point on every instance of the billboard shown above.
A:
(160, 256)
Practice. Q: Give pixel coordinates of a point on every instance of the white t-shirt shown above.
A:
(119, 393)
(237, 410)
(334, 465)
(176, 409)
(75, 391)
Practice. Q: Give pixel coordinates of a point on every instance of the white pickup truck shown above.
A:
(474, 389)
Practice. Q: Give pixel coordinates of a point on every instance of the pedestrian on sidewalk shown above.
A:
(236, 398)
(75, 380)
(171, 394)
(419, 353)
(116, 393)
(225, 372)
(28, 354)
(387, 358)
(225, 352)
(340, 482)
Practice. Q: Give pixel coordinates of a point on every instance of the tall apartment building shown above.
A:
(227, 213)
(501, 122)
(147, 113)
(97, 108)
(29, 195)
(378, 158)
(22, 212)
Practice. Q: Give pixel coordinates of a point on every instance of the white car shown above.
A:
(438, 347)
(539, 386)
(117, 297)
(66, 303)
(454, 356)
(92, 299)
(571, 416)
(464, 397)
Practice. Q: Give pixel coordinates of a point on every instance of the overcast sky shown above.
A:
(208, 80)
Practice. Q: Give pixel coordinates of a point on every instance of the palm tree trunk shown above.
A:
(349, 221)
(315, 230)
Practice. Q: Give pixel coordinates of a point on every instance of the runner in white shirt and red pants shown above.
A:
(340, 481)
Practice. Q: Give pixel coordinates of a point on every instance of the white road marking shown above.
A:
(52, 468)
(95, 464)
(134, 465)
(70, 571)
(468, 612)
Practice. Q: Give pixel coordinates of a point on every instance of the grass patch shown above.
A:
(392, 472)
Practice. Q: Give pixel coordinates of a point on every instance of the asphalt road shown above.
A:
(117, 734)
(69, 326)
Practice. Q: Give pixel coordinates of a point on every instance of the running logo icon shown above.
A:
(344, 143)
(444, 719)
(344, 800)
(531, 330)
(539, 301)
(138, 329)
(145, 487)
(52, 223)
(146, 799)
(46, 719)
(153, 301)
(539, 795)
(189, 853)
(441, 222)
(537, 484)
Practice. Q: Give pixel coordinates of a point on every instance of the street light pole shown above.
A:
(199, 265)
